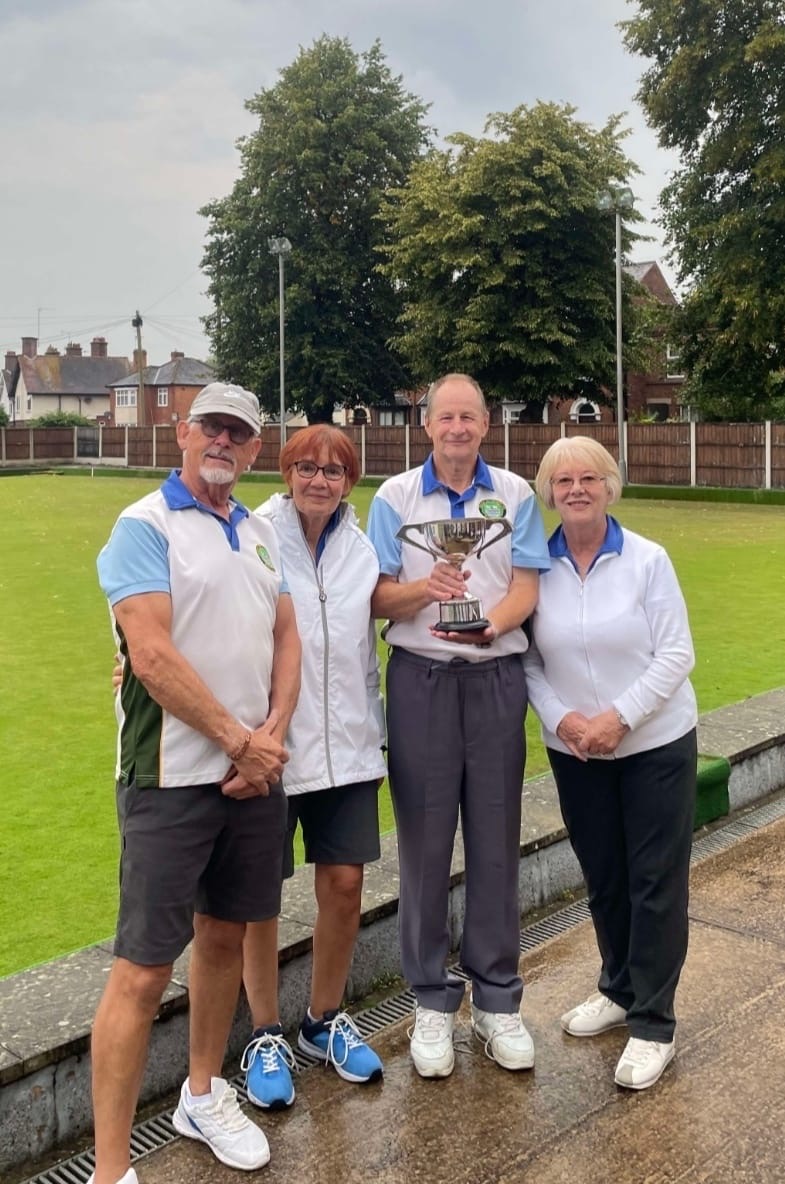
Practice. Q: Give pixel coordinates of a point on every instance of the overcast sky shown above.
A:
(119, 120)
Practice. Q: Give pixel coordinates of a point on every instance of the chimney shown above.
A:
(177, 353)
(29, 347)
(73, 350)
(10, 359)
(98, 347)
(136, 360)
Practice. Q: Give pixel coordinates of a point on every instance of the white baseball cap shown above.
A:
(224, 398)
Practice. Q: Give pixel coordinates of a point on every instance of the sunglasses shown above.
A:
(238, 433)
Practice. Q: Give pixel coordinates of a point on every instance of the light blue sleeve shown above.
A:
(134, 561)
(529, 545)
(383, 523)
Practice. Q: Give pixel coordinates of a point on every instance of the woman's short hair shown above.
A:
(307, 443)
(571, 450)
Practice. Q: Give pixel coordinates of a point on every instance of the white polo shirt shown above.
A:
(419, 496)
(224, 579)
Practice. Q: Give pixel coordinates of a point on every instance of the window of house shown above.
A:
(29, 403)
(163, 396)
(658, 411)
(673, 368)
(391, 418)
(125, 396)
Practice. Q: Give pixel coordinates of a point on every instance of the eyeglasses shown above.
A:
(238, 433)
(587, 481)
(308, 468)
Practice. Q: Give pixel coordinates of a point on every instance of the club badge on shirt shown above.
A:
(491, 507)
(264, 555)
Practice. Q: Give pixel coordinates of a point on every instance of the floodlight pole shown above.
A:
(616, 200)
(281, 247)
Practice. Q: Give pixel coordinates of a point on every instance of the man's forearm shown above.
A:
(519, 603)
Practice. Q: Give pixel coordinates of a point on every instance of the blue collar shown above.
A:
(178, 497)
(611, 545)
(432, 484)
(335, 518)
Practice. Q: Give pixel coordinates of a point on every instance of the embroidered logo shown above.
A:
(490, 507)
(264, 555)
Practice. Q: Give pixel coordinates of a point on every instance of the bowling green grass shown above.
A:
(58, 839)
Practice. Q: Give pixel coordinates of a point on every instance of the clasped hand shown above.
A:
(260, 766)
(599, 735)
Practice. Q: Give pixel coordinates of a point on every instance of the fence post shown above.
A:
(767, 442)
(100, 441)
(693, 454)
(406, 448)
(155, 445)
(362, 449)
(507, 444)
(75, 443)
(126, 445)
(31, 444)
(563, 429)
(2, 445)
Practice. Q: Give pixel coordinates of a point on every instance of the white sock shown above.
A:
(194, 1099)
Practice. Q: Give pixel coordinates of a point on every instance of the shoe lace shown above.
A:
(639, 1051)
(428, 1024)
(272, 1048)
(226, 1111)
(344, 1026)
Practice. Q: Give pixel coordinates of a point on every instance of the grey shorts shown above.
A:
(339, 825)
(193, 850)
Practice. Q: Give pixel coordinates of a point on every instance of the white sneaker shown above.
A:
(506, 1040)
(130, 1177)
(221, 1124)
(643, 1062)
(597, 1014)
(431, 1042)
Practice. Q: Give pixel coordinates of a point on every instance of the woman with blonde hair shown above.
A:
(608, 677)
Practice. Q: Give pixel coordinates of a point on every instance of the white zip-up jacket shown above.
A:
(619, 639)
(337, 731)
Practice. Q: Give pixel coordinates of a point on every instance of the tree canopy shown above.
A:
(335, 131)
(503, 258)
(715, 92)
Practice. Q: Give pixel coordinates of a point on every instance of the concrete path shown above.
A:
(716, 1117)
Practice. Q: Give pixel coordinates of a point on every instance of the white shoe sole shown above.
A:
(595, 1031)
(434, 1068)
(527, 1062)
(189, 1131)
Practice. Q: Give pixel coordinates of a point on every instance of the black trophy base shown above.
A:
(462, 626)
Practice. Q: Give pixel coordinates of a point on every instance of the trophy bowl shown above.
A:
(453, 539)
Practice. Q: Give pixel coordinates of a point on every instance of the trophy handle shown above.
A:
(504, 529)
(403, 535)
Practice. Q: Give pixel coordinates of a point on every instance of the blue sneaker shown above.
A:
(336, 1041)
(267, 1062)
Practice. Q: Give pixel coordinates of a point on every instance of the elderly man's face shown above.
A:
(216, 460)
(457, 423)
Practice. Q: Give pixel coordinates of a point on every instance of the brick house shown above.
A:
(169, 390)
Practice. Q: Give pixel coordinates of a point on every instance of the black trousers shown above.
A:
(630, 823)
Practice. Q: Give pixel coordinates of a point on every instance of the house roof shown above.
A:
(639, 270)
(649, 275)
(53, 374)
(177, 372)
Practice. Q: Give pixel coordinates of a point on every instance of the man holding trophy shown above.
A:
(456, 702)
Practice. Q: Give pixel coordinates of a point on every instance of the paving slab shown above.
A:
(716, 1117)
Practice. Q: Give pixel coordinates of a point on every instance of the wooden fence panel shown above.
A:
(528, 444)
(113, 443)
(730, 454)
(658, 454)
(53, 444)
(778, 456)
(17, 444)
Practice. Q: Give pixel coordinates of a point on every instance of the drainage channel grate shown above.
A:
(157, 1132)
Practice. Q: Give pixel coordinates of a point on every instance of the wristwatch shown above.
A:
(621, 718)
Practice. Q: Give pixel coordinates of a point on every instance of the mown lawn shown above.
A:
(58, 841)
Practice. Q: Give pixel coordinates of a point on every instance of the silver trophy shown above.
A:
(453, 539)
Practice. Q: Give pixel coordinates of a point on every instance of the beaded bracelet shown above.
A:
(241, 749)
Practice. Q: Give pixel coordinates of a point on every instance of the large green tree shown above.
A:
(505, 260)
(715, 92)
(335, 131)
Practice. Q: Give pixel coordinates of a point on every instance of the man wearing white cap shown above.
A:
(211, 674)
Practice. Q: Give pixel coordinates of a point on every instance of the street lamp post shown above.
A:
(281, 247)
(616, 201)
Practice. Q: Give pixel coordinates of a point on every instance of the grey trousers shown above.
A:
(456, 741)
(630, 824)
